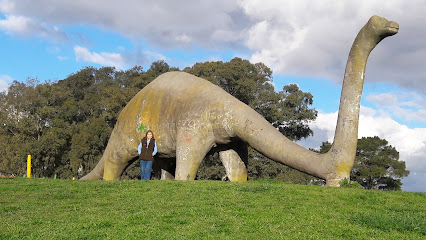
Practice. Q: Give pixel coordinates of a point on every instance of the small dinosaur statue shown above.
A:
(191, 116)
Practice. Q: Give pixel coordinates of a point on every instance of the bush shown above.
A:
(346, 183)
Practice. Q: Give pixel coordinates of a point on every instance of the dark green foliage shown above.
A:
(345, 183)
(133, 171)
(377, 164)
(211, 168)
(296, 114)
(65, 126)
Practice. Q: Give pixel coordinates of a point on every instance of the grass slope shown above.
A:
(64, 209)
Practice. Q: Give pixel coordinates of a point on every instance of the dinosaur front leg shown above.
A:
(113, 169)
(189, 154)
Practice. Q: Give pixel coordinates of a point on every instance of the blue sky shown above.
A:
(303, 42)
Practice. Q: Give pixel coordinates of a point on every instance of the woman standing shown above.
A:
(147, 149)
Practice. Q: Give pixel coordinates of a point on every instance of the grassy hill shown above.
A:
(64, 209)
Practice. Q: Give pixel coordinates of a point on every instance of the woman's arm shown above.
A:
(155, 148)
(140, 148)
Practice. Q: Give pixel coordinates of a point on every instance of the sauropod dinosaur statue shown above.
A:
(191, 116)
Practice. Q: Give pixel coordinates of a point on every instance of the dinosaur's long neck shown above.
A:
(346, 136)
(337, 163)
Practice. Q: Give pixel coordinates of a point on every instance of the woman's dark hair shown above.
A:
(146, 135)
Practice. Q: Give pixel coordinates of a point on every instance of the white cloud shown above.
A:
(4, 82)
(383, 99)
(313, 38)
(141, 57)
(168, 24)
(409, 106)
(183, 38)
(103, 58)
(410, 142)
(62, 58)
(305, 38)
(16, 24)
(25, 26)
(119, 60)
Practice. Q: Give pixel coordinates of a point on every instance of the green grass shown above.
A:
(64, 209)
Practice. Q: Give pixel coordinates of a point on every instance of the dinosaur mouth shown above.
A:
(392, 27)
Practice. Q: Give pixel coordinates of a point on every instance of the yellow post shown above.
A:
(29, 166)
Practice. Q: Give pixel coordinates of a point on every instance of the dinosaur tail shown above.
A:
(97, 172)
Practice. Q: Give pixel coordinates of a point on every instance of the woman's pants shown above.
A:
(146, 169)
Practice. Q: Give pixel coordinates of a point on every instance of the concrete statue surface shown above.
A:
(191, 117)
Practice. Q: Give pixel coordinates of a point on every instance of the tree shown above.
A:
(211, 168)
(144, 78)
(24, 119)
(377, 164)
(53, 120)
(159, 67)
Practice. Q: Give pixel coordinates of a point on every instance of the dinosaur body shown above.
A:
(191, 116)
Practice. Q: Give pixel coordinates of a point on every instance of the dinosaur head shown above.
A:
(381, 27)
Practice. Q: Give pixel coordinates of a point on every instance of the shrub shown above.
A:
(346, 183)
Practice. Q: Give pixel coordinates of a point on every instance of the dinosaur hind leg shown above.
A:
(164, 168)
(235, 162)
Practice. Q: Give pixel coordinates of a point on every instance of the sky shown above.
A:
(303, 42)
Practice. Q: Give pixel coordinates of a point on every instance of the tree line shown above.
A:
(65, 125)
